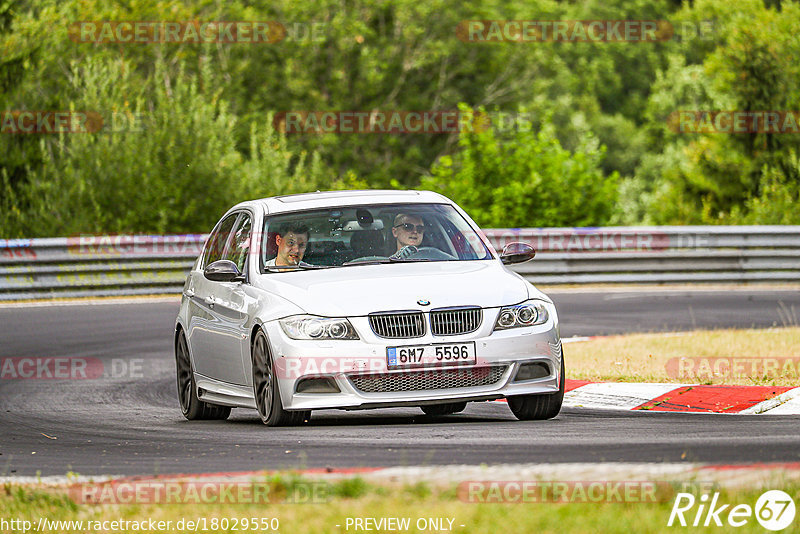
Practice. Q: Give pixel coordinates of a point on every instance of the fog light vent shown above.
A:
(317, 385)
(532, 371)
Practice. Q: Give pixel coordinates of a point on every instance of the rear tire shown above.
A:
(265, 388)
(539, 407)
(444, 409)
(193, 408)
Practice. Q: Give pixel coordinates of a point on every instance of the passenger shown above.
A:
(292, 241)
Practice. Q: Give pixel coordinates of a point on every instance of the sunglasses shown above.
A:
(408, 227)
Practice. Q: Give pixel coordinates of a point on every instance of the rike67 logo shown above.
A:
(774, 510)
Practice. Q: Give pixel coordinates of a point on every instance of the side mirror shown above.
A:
(517, 252)
(223, 271)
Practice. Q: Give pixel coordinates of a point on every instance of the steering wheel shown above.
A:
(405, 252)
(422, 253)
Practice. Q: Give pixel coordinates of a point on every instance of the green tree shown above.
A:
(749, 65)
(167, 164)
(525, 179)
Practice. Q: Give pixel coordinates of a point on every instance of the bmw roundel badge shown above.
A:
(423, 302)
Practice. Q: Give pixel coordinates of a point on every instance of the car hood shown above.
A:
(362, 289)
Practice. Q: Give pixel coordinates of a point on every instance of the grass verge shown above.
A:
(769, 357)
(419, 503)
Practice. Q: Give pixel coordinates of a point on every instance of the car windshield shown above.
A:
(368, 234)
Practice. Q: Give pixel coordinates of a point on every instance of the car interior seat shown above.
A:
(270, 249)
(367, 243)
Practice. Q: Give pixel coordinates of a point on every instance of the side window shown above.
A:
(215, 245)
(239, 247)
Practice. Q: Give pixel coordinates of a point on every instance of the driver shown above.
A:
(408, 230)
(292, 241)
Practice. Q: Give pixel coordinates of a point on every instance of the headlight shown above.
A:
(311, 327)
(529, 313)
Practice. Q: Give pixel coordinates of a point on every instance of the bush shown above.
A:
(525, 179)
(171, 167)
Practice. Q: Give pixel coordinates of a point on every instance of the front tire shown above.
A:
(265, 388)
(193, 408)
(539, 407)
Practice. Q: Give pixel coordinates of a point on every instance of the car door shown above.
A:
(213, 337)
(230, 305)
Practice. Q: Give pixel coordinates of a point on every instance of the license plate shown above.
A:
(436, 355)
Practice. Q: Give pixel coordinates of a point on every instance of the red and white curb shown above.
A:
(769, 400)
(690, 398)
(750, 476)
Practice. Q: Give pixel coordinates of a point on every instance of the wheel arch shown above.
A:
(257, 327)
(178, 329)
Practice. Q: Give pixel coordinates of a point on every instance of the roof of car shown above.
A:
(325, 199)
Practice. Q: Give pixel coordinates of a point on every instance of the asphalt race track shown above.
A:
(122, 425)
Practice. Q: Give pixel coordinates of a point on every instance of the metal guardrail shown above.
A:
(135, 265)
(96, 265)
(658, 254)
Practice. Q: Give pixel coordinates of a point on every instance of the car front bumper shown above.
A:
(360, 371)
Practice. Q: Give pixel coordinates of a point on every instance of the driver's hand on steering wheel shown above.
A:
(404, 252)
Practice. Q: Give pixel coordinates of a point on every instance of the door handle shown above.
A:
(210, 300)
(189, 292)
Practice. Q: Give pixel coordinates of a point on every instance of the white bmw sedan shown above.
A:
(361, 299)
